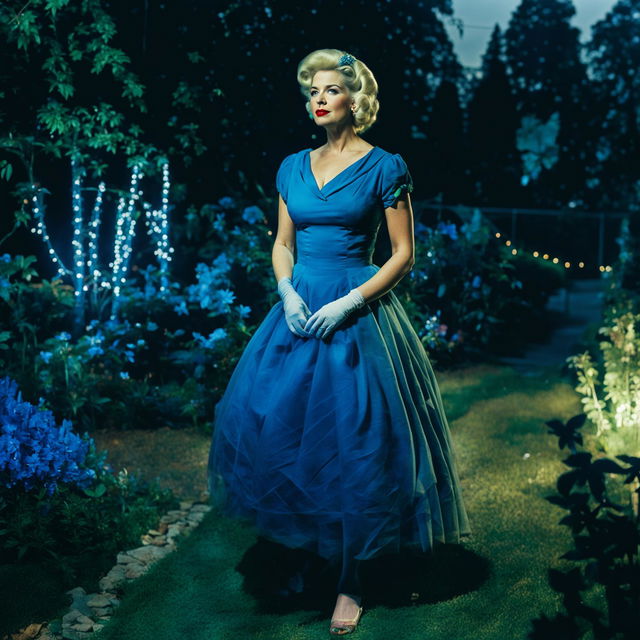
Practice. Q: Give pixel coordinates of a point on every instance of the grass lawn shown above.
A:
(217, 584)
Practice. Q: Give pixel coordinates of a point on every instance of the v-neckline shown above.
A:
(315, 182)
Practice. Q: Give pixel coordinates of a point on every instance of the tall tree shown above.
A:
(614, 56)
(261, 42)
(445, 171)
(222, 99)
(492, 124)
(548, 75)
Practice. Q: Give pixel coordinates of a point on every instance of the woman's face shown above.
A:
(329, 99)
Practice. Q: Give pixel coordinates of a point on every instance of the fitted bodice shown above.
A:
(337, 225)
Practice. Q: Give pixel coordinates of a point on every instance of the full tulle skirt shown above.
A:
(338, 445)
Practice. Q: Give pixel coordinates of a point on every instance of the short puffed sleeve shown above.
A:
(283, 175)
(395, 179)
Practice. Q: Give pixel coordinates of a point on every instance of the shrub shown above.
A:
(467, 293)
(600, 595)
(59, 501)
(609, 382)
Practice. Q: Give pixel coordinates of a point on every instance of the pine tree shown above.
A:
(445, 172)
(614, 55)
(493, 121)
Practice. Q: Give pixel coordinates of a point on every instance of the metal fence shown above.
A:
(587, 237)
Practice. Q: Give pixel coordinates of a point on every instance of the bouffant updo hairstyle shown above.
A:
(358, 79)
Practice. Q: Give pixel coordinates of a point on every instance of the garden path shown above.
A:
(577, 308)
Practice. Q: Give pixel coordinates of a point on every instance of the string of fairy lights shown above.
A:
(125, 229)
(545, 256)
(157, 224)
(94, 233)
(87, 270)
(78, 228)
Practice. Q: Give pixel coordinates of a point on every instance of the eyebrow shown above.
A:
(313, 86)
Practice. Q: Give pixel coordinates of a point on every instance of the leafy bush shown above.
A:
(609, 382)
(467, 292)
(59, 501)
(601, 596)
(165, 357)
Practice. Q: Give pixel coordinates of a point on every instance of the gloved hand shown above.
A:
(330, 315)
(295, 308)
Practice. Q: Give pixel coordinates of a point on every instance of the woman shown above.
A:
(331, 435)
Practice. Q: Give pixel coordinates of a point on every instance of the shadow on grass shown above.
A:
(283, 580)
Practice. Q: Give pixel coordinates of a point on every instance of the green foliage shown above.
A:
(610, 382)
(601, 596)
(75, 530)
(470, 294)
(152, 366)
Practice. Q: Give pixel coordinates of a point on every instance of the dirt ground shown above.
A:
(174, 458)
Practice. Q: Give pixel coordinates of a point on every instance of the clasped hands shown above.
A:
(303, 323)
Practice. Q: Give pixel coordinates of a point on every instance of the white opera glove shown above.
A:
(295, 308)
(332, 314)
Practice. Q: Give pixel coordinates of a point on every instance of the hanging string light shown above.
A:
(94, 235)
(41, 229)
(125, 226)
(86, 267)
(157, 221)
(78, 232)
(545, 256)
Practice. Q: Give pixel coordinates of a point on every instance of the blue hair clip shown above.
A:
(346, 58)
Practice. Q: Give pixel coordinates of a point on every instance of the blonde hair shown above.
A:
(357, 78)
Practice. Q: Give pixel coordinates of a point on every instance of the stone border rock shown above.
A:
(88, 612)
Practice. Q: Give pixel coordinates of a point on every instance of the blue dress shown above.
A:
(338, 445)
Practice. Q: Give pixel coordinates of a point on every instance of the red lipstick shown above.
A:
(321, 112)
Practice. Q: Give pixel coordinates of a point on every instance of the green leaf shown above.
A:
(7, 170)
(53, 5)
(97, 492)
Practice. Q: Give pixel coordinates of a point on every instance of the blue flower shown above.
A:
(476, 282)
(213, 338)
(226, 296)
(448, 230)
(5, 257)
(95, 351)
(253, 214)
(222, 262)
(227, 202)
(181, 309)
(243, 310)
(216, 335)
(63, 335)
(124, 375)
(218, 223)
(46, 355)
(151, 326)
(34, 451)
